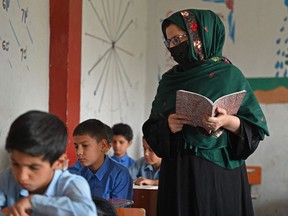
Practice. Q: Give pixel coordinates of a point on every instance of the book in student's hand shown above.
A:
(195, 105)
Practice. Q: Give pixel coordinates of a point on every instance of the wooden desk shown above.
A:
(131, 211)
(145, 197)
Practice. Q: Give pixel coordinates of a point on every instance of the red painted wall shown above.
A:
(65, 64)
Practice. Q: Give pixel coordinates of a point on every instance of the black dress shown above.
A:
(191, 185)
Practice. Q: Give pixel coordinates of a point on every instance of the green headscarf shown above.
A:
(212, 76)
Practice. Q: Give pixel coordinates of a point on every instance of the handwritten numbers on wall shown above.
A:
(15, 36)
(23, 53)
(24, 15)
(5, 45)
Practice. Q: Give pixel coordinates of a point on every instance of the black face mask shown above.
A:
(180, 53)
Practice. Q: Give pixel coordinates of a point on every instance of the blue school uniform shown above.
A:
(67, 194)
(125, 160)
(112, 180)
(142, 169)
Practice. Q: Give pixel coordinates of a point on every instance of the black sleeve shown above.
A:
(159, 137)
(242, 145)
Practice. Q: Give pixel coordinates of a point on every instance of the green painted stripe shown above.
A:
(267, 84)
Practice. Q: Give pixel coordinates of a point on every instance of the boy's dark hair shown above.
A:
(124, 130)
(38, 133)
(94, 128)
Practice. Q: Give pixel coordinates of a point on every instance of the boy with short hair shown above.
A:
(107, 178)
(35, 183)
(122, 139)
(146, 170)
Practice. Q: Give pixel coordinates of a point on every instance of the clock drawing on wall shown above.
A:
(107, 55)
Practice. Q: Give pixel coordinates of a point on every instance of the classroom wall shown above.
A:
(253, 44)
(24, 62)
(114, 35)
(125, 95)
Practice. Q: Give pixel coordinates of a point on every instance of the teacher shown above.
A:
(202, 173)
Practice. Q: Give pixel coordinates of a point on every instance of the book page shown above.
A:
(193, 105)
(231, 102)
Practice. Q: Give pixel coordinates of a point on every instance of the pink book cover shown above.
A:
(195, 105)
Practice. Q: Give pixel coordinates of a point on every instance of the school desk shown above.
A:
(145, 197)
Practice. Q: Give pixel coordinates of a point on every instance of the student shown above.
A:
(122, 139)
(35, 182)
(202, 174)
(107, 178)
(145, 171)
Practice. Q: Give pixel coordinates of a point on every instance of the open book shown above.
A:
(195, 105)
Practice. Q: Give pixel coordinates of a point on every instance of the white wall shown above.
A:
(257, 26)
(120, 74)
(271, 155)
(24, 78)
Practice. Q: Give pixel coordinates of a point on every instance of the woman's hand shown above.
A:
(229, 122)
(176, 122)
